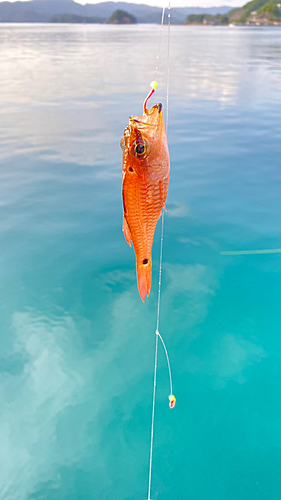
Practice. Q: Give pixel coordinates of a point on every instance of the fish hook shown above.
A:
(153, 86)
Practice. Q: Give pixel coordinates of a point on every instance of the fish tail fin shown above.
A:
(144, 277)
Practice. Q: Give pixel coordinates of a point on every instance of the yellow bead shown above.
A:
(154, 85)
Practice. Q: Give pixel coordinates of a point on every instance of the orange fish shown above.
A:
(146, 167)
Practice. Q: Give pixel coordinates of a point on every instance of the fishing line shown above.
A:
(168, 362)
(172, 399)
(160, 40)
(168, 67)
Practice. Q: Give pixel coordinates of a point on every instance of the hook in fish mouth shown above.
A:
(159, 105)
(150, 119)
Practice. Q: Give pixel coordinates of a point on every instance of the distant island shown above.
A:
(74, 19)
(207, 19)
(121, 17)
(254, 13)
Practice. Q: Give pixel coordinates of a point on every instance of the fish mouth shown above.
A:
(159, 106)
(151, 119)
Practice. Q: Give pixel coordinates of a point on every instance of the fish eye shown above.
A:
(139, 149)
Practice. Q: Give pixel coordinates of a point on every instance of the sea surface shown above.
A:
(76, 342)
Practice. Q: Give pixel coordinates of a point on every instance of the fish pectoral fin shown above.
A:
(127, 232)
(164, 206)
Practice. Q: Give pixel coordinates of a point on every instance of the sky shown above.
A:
(176, 3)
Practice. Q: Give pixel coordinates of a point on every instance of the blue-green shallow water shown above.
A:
(77, 344)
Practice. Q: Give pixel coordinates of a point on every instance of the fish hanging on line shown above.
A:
(146, 167)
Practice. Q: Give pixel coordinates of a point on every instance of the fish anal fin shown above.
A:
(127, 232)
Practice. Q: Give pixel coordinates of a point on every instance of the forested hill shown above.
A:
(44, 10)
(254, 13)
(259, 12)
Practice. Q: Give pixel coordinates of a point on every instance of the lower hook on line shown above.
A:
(172, 399)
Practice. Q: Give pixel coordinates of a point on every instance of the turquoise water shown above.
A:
(77, 344)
